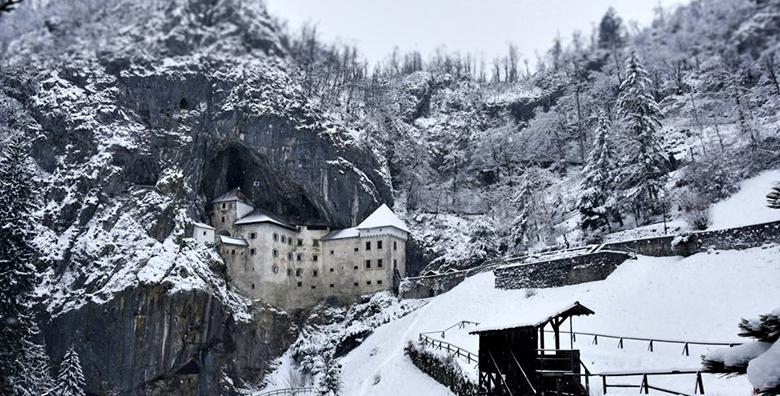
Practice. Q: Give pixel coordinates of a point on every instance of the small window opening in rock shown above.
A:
(183, 105)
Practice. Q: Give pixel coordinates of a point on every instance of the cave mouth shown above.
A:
(269, 188)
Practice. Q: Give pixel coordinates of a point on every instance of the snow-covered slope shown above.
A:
(748, 205)
(700, 298)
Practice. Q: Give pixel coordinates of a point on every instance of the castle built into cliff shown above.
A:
(297, 266)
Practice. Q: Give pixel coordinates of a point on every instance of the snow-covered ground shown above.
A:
(748, 205)
(698, 298)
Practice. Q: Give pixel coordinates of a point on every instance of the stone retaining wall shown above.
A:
(565, 271)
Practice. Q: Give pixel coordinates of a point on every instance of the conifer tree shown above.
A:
(645, 170)
(17, 271)
(773, 198)
(597, 184)
(70, 380)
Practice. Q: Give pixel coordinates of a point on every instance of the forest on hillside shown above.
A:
(610, 129)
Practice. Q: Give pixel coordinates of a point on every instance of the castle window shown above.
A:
(379, 263)
(300, 284)
(289, 271)
(223, 219)
(356, 249)
(331, 252)
(298, 272)
(204, 232)
(332, 285)
(356, 284)
(275, 253)
(299, 257)
(289, 256)
(223, 205)
(379, 282)
(252, 235)
(315, 242)
(368, 283)
(368, 245)
(313, 287)
(275, 269)
(289, 241)
(395, 245)
(356, 267)
(378, 244)
(368, 264)
(395, 264)
(314, 258)
(233, 252)
(314, 273)
(331, 270)
(284, 239)
(253, 286)
(300, 242)
(252, 252)
(276, 237)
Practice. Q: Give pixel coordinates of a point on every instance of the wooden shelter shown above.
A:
(513, 360)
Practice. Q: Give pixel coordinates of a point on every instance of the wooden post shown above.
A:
(571, 331)
(699, 384)
(556, 329)
(595, 340)
(620, 344)
(604, 383)
(650, 346)
(685, 350)
(644, 385)
(541, 337)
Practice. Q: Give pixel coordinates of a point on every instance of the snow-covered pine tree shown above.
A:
(597, 186)
(482, 238)
(330, 380)
(17, 271)
(645, 170)
(773, 198)
(759, 359)
(70, 380)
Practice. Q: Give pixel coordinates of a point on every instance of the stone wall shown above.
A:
(433, 285)
(685, 245)
(565, 271)
(445, 371)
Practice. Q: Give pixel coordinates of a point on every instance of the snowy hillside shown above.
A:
(698, 298)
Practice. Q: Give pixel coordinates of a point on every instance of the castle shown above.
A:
(296, 266)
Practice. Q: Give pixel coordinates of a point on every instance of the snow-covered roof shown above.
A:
(256, 216)
(343, 234)
(572, 309)
(383, 217)
(227, 197)
(203, 225)
(232, 241)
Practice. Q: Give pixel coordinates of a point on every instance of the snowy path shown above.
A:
(698, 298)
(748, 205)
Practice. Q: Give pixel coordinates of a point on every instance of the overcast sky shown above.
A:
(483, 27)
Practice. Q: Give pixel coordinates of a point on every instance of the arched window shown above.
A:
(276, 237)
(275, 269)
(252, 235)
(252, 252)
(284, 239)
(275, 253)
(290, 256)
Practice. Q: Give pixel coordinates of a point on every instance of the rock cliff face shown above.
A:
(138, 116)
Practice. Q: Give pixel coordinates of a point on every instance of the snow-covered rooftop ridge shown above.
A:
(343, 234)
(383, 217)
(204, 225)
(232, 241)
(257, 216)
(575, 307)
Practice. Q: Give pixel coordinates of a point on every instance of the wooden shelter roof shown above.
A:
(573, 309)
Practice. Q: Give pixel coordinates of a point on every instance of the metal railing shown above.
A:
(462, 324)
(290, 392)
(451, 349)
(651, 341)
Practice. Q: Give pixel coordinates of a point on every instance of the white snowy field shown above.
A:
(748, 205)
(698, 298)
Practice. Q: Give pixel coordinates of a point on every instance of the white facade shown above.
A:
(203, 232)
(298, 266)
